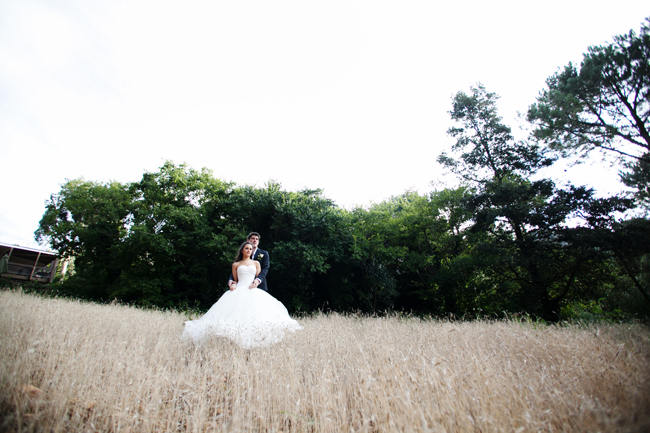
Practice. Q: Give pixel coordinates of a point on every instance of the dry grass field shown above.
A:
(78, 367)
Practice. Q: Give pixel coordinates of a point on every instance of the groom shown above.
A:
(261, 256)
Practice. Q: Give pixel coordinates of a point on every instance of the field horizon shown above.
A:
(73, 366)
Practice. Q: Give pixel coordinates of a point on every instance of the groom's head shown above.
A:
(254, 239)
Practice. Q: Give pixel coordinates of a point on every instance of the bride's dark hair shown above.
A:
(240, 255)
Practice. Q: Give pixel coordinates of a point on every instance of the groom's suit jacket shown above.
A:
(261, 256)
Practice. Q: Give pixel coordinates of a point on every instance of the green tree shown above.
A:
(604, 104)
(308, 242)
(88, 221)
(488, 152)
(529, 255)
(411, 254)
(628, 244)
(161, 241)
(392, 241)
(174, 243)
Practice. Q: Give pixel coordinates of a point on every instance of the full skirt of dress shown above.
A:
(249, 317)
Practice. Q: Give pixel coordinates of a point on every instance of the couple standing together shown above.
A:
(246, 313)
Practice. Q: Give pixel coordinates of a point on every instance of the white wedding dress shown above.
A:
(249, 317)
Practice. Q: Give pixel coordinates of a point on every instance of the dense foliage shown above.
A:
(604, 104)
(506, 241)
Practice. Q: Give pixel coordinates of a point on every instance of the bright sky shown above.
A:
(348, 96)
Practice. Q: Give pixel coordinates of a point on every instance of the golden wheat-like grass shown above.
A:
(71, 366)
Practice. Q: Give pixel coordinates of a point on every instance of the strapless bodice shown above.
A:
(245, 274)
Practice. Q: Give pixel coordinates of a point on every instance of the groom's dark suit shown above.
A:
(261, 256)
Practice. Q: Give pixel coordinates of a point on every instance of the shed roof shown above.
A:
(36, 250)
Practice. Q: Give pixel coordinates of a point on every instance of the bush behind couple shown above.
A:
(250, 251)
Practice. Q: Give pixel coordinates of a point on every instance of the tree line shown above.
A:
(507, 240)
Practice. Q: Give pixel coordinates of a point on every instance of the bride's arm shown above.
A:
(234, 276)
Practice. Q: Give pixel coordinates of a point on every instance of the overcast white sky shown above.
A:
(349, 96)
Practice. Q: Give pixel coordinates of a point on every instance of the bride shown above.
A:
(248, 316)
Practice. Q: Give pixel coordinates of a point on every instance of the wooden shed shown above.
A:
(25, 263)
